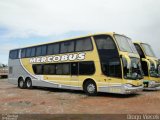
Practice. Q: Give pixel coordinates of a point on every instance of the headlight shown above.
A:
(151, 83)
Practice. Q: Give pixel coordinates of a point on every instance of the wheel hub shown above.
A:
(91, 88)
(28, 83)
(21, 83)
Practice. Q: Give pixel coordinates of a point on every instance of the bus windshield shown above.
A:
(148, 50)
(125, 44)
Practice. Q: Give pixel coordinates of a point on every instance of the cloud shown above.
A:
(4, 49)
(46, 17)
(139, 19)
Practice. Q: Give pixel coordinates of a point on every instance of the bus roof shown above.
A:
(107, 33)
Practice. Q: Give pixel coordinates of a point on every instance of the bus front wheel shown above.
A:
(90, 88)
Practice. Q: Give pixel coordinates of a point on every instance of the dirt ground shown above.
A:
(56, 101)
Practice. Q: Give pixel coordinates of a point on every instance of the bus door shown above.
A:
(110, 61)
(112, 69)
(74, 73)
(114, 74)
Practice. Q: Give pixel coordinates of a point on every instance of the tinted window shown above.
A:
(59, 69)
(49, 69)
(84, 44)
(38, 51)
(124, 44)
(74, 68)
(67, 47)
(109, 57)
(140, 52)
(66, 69)
(33, 51)
(28, 52)
(53, 49)
(14, 54)
(145, 68)
(105, 43)
(112, 67)
(148, 50)
(52, 69)
(23, 53)
(86, 68)
(41, 50)
(106, 47)
(44, 50)
(38, 69)
(63, 69)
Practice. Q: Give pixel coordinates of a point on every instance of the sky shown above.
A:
(27, 22)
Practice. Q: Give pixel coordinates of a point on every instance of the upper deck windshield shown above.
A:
(148, 50)
(125, 44)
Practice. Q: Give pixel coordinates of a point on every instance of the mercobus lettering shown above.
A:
(56, 58)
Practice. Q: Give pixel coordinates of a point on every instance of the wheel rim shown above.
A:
(21, 83)
(91, 88)
(29, 83)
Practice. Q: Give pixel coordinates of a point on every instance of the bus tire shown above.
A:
(90, 88)
(21, 83)
(28, 83)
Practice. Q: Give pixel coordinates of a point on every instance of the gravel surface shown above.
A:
(57, 101)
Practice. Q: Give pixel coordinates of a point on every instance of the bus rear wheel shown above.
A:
(28, 83)
(90, 88)
(21, 83)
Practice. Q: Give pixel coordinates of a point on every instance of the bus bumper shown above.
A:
(155, 88)
(131, 90)
(151, 85)
(121, 89)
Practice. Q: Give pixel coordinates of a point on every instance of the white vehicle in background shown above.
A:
(3, 71)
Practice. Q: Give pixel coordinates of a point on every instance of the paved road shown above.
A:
(56, 101)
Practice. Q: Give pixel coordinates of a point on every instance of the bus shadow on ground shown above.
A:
(57, 90)
(151, 90)
(79, 92)
(118, 95)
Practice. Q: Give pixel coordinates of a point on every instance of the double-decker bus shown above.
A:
(104, 62)
(150, 66)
